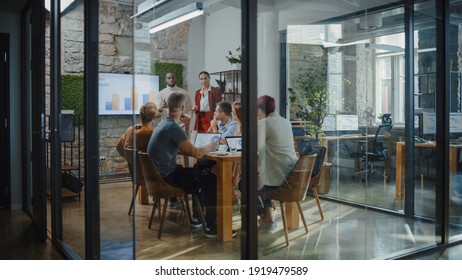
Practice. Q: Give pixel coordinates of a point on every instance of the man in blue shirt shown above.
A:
(223, 122)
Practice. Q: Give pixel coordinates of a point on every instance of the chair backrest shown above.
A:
(298, 180)
(134, 166)
(382, 129)
(378, 145)
(320, 152)
(155, 184)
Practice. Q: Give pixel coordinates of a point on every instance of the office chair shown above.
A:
(293, 189)
(376, 153)
(318, 171)
(136, 174)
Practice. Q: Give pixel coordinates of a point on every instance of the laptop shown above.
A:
(234, 141)
(206, 138)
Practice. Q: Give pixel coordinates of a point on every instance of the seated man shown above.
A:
(167, 139)
(143, 131)
(223, 122)
(276, 155)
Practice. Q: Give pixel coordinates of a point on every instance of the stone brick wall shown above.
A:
(116, 56)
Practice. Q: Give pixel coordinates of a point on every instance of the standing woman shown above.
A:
(206, 100)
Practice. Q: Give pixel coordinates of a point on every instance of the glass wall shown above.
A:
(186, 48)
(343, 81)
(455, 191)
(64, 119)
(338, 72)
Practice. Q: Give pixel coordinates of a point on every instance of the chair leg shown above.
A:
(133, 199)
(164, 212)
(302, 216)
(186, 205)
(153, 211)
(316, 197)
(284, 222)
(197, 204)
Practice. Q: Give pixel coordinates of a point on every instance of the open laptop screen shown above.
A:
(206, 138)
(234, 141)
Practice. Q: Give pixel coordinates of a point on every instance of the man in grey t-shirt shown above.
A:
(167, 139)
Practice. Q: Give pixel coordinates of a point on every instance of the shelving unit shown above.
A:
(70, 150)
(425, 96)
(232, 89)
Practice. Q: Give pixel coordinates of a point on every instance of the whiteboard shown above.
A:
(329, 123)
(347, 122)
(429, 123)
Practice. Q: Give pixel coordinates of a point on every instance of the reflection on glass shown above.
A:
(185, 50)
(348, 62)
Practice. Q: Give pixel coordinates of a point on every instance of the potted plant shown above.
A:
(221, 84)
(310, 98)
(235, 58)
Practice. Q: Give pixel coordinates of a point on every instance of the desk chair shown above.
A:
(158, 188)
(318, 171)
(135, 173)
(294, 188)
(377, 152)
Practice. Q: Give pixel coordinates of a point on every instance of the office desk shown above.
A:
(356, 137)
(400, 161)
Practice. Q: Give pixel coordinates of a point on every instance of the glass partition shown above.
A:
(185, 49)
(339, 77)
(455, 191)
(64, 113)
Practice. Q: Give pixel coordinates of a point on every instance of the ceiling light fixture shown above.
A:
(187, 12)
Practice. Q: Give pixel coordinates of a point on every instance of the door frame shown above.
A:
(5, 187)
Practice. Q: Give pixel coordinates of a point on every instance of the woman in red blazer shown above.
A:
(206, 100)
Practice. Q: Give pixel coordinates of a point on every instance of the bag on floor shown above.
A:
(71, 182)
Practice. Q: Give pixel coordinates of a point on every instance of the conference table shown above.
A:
(400, 161)
(224, 173)
(224, 170)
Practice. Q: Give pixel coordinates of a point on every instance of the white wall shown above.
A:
(10, 23)
(210, 38)
(222, 34)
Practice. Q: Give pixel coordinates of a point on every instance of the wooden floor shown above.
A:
(346, 233)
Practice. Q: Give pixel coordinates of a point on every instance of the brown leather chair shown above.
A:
(158, 188)
(294, 188)
(318, 171)
(135, 173)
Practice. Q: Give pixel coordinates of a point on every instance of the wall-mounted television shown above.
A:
(123, 94)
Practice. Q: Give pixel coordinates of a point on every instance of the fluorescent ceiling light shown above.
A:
(64, 4)
(188, 12)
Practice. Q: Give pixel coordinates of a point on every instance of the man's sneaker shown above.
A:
(211, 232)
(195, 223)
(175, 205)
(267, 227)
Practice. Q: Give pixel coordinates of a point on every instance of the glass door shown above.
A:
(186, 49)
(342, 74)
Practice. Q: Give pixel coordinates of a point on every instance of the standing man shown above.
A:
(167, 139)
(162, 96)
(223, 122)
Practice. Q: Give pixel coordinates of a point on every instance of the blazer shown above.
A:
(214, 98)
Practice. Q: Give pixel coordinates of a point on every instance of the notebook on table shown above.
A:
(206, 138)
(235, 141)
